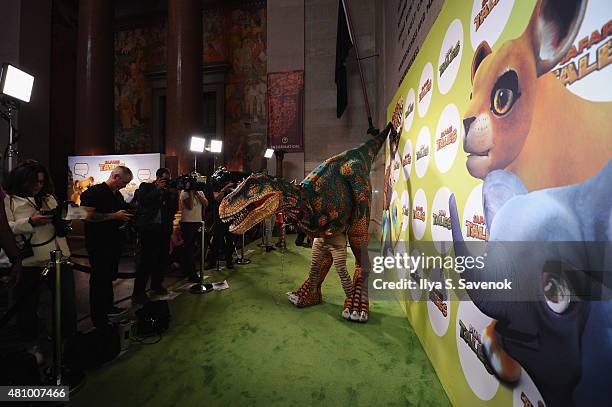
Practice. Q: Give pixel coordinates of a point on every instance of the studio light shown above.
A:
(16, 83)
(216, 146)
(197, 144)
(268, 153)
(15, 87)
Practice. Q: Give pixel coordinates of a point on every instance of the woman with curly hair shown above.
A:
(28, 201)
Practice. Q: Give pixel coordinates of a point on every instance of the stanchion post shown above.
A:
(242, 260)
(200, 288)
(263, 232)
(56, 259)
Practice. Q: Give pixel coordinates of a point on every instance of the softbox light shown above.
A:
(197, 144)
(216, 146)
(16, 83)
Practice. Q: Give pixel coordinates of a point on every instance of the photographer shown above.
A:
(193, 202)
(221, 234)
(107, 212)
(157, 205)
(28, 202)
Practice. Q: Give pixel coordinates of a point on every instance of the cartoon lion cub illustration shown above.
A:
(522, 119)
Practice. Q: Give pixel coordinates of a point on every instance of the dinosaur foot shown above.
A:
(355, 309)
(302, 299)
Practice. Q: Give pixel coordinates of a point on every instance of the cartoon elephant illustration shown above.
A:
(555, 246)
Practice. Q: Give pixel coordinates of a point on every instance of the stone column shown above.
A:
(184, 89)
(94, 124)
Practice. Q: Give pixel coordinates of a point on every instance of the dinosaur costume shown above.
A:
(333, 199)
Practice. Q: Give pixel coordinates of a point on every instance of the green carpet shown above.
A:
(249, 346)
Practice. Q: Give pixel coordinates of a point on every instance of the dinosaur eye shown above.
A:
(557, 291)
(505, 93)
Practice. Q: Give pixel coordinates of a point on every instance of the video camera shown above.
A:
(188, 183)
(220, 177)
(217, 180)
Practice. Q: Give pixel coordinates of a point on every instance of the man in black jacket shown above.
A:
(154, 219)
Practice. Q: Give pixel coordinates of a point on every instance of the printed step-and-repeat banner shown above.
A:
(85, 171)
(507, 108)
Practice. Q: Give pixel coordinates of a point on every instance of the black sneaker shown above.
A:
(117, 311)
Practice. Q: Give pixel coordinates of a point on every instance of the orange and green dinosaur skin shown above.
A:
(333, 199)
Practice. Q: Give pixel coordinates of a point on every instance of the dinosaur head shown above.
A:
(254, 199)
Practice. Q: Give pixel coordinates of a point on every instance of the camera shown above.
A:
(62, 226)
(220, 177)
(188, 183)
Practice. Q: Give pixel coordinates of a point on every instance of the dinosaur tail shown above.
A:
(371, 147)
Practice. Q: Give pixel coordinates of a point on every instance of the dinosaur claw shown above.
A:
(304, 301)
(346, 314)
(293, 298)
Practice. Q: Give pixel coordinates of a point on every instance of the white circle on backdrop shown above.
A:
(419, 214)
(595, 86)
(450, 56)
(425, 89)
(447, 138)
(409, 106)
(416, 276)
(406, 213)
(473, 215)
(437, 318)
(407, 159)
(483, 384)
(526, 387)
(493, 25)
(441, 236)
(423, 152)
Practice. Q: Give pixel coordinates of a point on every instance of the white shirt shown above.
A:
(18, 211)
(195, 213)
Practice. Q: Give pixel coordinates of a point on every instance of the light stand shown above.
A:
(16, 85)
(201, 288)
(216, 146)
(268, 154)
(196, 146)
(12, 151)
